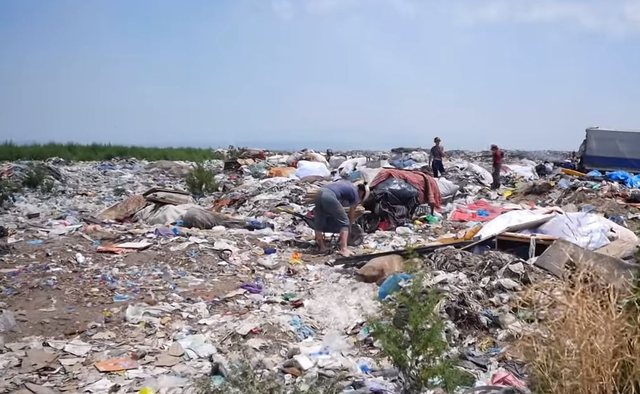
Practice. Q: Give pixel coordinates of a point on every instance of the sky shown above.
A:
(527, 74)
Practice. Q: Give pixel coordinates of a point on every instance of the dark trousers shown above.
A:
(437, 168)
(496, 176)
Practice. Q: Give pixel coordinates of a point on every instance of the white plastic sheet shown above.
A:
(166, 214)
(483, 175)
(514, 221)
(526, 172)
(420, 157)
(587, 230)
(349, 166)
(447, 188)
(312, 168)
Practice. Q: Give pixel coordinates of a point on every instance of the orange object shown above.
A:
(284, 172)
(116, 364)
(110, 249)
(222, 203)
(568, 171)
(296, 258)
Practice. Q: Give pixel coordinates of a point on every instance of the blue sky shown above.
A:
(318, 73)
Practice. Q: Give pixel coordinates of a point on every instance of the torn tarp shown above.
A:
(428, 189)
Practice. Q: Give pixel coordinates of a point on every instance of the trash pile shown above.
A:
(119, 280)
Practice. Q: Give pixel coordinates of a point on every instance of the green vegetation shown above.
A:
(34, 177)
(200, 181)
(98, 152)
(7, 190)
(412, 336)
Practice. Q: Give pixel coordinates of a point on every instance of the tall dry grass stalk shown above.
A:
(588, 337)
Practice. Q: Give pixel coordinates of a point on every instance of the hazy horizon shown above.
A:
(289, 148)
(340, 74)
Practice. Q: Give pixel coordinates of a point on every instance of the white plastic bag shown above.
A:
(312, 168)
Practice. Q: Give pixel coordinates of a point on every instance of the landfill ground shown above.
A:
(132, 299)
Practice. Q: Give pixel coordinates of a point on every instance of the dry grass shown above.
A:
(588, 339)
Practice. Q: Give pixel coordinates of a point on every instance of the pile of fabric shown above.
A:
(396, 194)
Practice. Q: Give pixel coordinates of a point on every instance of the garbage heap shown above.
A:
(117, 279)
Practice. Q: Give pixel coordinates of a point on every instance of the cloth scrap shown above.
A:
(428, 189)
(479, 211)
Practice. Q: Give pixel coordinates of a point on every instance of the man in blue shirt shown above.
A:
(329, 215)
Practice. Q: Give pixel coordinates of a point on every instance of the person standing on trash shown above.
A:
(497, 156)
(436, 155)
(329, 215)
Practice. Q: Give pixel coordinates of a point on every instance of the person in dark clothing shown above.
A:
(497, 156)
(437, 154)
(329, 154)
(329, 215)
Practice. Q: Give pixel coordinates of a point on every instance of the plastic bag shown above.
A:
(392, 284)
(312, 168)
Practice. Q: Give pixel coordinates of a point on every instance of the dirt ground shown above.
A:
(53, 293)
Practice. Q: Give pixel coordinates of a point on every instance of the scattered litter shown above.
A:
(7, 321)
(116, 364)
(37, 359)
(167, 360)
(392, 284)
(197, 346)
(101, 386)
(122, 284)
(142, 245)
(77, 348)
(302, 331)
(37, 389)
(253, 288)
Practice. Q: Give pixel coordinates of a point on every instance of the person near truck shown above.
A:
(329, 215)
(437, 154)
(496, 155)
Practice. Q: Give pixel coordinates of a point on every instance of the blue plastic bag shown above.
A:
(564, 183)
(629, 180)
(594, 173)
(634, 183)
(391, 285)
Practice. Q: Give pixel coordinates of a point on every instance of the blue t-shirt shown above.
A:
(346, 192)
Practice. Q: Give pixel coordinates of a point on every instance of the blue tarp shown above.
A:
(629, 180)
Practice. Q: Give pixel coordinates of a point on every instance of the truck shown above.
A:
(610, 149)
